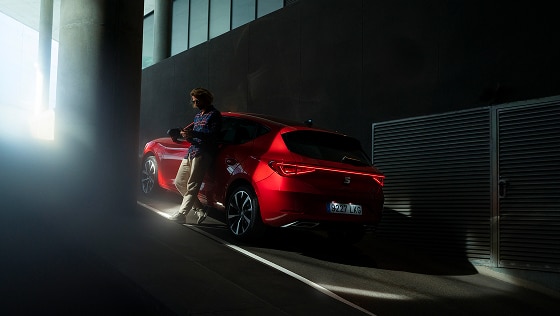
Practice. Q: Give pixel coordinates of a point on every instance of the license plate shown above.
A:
(341, 208)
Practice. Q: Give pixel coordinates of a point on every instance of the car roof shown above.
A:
(273, 120)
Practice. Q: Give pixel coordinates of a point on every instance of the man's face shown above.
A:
(196, 103)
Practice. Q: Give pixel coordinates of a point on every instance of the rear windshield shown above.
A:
(326, 146)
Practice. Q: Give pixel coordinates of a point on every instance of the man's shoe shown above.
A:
(179, 217)
(202, 213)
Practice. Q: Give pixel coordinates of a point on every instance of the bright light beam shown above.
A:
(41, 121)
(366, 293)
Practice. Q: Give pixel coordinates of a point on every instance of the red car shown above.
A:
(279, 173)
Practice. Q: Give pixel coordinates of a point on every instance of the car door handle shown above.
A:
(231, 161)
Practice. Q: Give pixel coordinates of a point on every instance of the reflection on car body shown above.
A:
(271, 172)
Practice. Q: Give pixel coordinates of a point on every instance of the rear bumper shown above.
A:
(330, 226)
(308, 209)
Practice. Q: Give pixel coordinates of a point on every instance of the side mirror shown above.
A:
(174, 133)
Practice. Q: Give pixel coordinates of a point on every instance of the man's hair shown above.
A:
(203, 95)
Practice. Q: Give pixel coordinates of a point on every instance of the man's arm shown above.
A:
(214, 126)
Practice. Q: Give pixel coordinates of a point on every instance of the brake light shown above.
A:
(379, 179)
(295, 169)
(289, 169)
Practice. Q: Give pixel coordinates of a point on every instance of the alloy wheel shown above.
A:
(243, 214)
(240, 213)
(149, 175)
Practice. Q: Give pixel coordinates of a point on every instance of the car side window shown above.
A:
(227, 133)
(239, 131)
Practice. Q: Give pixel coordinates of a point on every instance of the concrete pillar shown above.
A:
(45, 45)
(163, 15)
(98, 103)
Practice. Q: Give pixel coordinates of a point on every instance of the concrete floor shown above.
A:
(137, 264)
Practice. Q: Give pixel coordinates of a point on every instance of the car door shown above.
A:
(171, 154)
(235, 147)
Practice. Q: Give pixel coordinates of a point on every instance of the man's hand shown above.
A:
(186, 132)
(174, 133)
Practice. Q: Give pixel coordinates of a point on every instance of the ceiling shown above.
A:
(28, 12)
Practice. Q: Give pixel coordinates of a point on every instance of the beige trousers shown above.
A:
(188, 181)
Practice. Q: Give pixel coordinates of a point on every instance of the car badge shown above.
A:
(346, 180)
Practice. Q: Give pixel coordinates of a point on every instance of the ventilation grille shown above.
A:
(437, 187)
(529, 160)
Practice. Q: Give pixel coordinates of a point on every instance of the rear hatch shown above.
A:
(333, 164)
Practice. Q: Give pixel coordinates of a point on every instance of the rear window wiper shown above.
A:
(354, 161)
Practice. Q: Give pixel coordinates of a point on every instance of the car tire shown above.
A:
(149, 176)
(243, 214)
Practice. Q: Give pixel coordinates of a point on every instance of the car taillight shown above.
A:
(290, 169)
(294, 169)
(379, 179)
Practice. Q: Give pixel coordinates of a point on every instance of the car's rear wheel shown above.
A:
(243, 214)
(149, 175)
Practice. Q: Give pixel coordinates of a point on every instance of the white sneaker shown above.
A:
(201, 213)
(178, 217)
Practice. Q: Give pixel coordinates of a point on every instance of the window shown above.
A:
(180, 28)
(242, 12)
(198, 26)
(148, 41)
(196, 21)
(22, 111)
(326, 146)
(239, 131)
(265, 7)
(219, 17)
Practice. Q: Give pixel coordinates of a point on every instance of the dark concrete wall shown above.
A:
(347, 64)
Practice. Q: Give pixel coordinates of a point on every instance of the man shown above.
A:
(203, 135)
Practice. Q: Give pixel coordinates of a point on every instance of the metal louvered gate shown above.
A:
(437, 186)
(480, 184)
(529, 177)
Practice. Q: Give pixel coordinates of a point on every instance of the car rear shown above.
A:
(323, 179)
